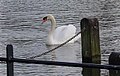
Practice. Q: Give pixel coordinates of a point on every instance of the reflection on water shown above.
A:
(66, 53)
(17, 18)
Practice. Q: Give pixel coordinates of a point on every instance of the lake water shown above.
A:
(18, 17)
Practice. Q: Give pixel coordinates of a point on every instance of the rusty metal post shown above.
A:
(10, 65)
(114, 59)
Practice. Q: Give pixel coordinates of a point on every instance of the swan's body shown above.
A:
(60, 34)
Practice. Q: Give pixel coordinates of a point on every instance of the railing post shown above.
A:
(10, 65)
(114, 59)
(90, 45)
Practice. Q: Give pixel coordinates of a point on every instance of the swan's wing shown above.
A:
(59, 32)
(73, 33)
(69, 32)
(64, 33)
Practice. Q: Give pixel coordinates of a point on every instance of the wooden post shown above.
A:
(114, 59)
(9, 53)
(90, 45)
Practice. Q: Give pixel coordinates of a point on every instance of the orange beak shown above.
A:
(43, 21)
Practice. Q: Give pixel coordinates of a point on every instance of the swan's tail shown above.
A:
(76, 38)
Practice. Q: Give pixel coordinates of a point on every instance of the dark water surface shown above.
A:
(17, 18)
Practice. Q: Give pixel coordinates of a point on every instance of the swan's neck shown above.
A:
(51, 32)
(53, 23)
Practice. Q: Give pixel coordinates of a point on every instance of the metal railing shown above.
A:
(10, 62)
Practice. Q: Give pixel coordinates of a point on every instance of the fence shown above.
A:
(10, 62)
(91, 59)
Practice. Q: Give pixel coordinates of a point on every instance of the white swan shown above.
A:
(60, 34)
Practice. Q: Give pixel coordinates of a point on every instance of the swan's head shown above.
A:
(48, 17)
(44, 19)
